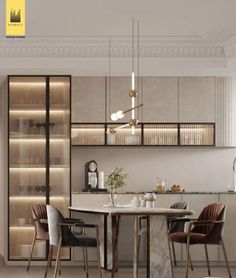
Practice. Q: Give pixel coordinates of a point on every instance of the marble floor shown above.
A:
(73, 272)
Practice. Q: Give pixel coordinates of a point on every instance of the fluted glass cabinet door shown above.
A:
(27, 162)
(39, 156)
(59, 91)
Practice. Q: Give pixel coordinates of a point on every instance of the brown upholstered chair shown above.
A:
(39, 213)
(207, 229)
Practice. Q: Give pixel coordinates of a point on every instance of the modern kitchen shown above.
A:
(117, 139)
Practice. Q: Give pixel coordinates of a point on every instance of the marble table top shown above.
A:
(131, 211)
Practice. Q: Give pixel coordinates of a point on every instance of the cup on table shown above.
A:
(150, 204)
(135, 202)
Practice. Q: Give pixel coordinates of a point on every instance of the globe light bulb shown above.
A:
(120, 114)
(114, 117)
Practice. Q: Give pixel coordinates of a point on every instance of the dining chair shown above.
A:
(39, 213)
(206, 230)
(61, 235)
(175, 226)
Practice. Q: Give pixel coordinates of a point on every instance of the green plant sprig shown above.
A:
(116, 179)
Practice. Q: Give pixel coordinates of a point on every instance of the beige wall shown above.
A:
(198, 169)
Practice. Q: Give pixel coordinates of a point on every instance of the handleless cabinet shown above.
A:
(197, 99)
(160, 98)
(88, 99)
(118, 96)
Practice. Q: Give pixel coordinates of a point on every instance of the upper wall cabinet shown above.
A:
(118, 96)
(160, 98)
(88, 99)
(197, 99)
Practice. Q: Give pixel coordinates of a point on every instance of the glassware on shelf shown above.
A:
(124, 136)
(197, 134)
(88, 134)
(160, 134)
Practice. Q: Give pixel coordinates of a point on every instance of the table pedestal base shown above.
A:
(160, 263)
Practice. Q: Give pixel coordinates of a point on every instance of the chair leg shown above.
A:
(86, 261)
(187, 257)
(83, 249)
(60, 266)
(207, 260)
(226, 258)
(31, 252)
(173, 252)
(49, 260)
(98, 253)
(190, 260)
(58, 259)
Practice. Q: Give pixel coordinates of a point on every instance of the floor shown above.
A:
(37, 272)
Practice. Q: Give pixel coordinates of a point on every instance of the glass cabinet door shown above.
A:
(39, 156)
(59, 92)
(27, 168)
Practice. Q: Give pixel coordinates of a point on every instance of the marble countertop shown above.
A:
(131, 210)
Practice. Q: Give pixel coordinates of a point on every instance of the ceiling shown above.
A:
(177, 37)
(167, 18)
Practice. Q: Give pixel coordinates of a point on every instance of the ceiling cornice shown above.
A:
(91, 47)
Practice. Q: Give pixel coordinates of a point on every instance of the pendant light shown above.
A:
(133, 93)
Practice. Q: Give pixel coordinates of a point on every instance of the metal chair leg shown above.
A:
(86, 261)
(60, 266)
(173, 252)
(31, 252)
(49, 260)
(58, 258)
(207, 260)
(226, 258)
(190, 260)
(187, 256)
(98, 253)
(83, 257)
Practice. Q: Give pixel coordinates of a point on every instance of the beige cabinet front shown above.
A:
(160, 98)
(88, 99)
(118, 96)
(229, 228)
(197, 99)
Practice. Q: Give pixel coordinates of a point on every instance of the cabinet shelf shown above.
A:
(146, 134)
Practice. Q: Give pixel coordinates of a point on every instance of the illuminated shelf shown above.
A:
(17, 228)
(37, 110)
(146, 134)
(36, 139)
(23, 227)
(24, 197)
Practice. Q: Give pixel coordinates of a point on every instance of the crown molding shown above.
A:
(230, 48)
(91, 47)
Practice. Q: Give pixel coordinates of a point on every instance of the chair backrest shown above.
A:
(179, 205)
(39, 211)
(176, 227)
(54, 218)
(212, 212)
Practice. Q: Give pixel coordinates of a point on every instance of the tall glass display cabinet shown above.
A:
(38, 156)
